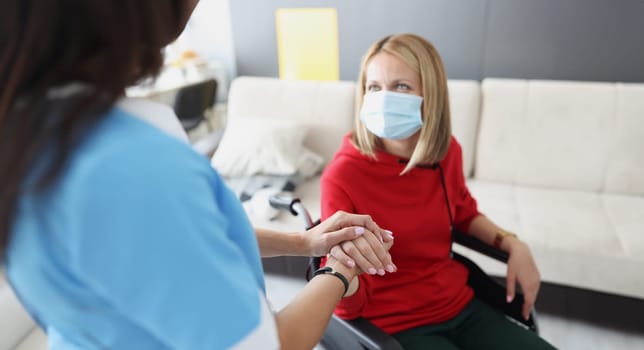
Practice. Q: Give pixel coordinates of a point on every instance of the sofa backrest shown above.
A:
(570, 135)
(328, 109)
(625, 170)
(465, 102)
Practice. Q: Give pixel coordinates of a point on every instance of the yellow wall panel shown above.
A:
(307, 43)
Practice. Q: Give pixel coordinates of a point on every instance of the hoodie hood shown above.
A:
(383, 159)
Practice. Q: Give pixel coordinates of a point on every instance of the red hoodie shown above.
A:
(429, 287)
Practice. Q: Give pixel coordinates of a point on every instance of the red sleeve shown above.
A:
(465, 207)
(334, 198)
(350, 308)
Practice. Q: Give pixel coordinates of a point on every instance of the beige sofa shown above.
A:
(560, 163)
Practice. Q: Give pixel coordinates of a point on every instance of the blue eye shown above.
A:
(402, 86)
(373, 88)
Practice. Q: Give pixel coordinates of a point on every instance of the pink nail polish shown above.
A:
(359, 230)
(372, 271)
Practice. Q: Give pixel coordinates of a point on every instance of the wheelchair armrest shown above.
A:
(283, 202)
(476, 244)
(294, 206)
(367, 335)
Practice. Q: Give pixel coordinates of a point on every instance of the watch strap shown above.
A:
(328, 270)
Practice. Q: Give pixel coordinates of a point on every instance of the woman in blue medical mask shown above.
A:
(402, 166)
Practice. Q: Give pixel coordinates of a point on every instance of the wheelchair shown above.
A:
(360, 334)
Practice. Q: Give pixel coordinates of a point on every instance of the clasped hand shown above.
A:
(355, 240)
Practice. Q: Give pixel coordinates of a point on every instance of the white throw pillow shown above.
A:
(253, 146)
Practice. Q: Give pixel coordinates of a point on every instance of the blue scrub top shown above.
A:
(138, 245)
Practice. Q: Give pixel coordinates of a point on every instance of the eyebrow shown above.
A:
(397, 81)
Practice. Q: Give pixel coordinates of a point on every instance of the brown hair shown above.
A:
(422, 57)
(106, 45)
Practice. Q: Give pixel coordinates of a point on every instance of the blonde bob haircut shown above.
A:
(435, 134)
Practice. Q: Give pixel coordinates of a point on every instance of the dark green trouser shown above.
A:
(478, 326)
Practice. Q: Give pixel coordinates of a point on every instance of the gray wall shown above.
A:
(596, 40)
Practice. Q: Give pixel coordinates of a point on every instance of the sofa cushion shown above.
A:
(626, 213)
(465, 102)
(625, 170)
(569, 231)
(253, 146)
(324, 107)
(546, 133)
(496, 200)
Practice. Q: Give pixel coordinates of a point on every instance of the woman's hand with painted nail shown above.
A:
(368, 252)
(364, 243)
(338, 228)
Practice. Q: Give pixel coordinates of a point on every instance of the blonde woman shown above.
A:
(402, 166)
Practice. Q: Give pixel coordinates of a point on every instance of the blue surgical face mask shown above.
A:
(391, 115)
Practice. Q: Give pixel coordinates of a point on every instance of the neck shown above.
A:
(401, 148)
